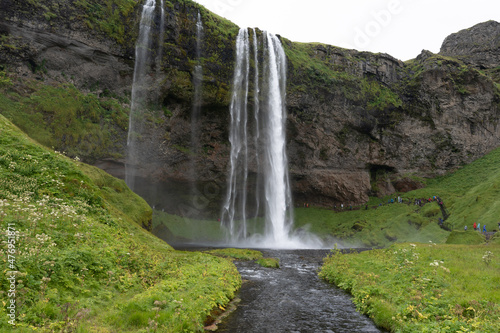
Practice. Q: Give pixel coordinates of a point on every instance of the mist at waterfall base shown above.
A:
(258, 160)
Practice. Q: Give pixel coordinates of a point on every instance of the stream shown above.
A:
(292, 298)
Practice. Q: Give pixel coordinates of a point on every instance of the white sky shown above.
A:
(401, 28)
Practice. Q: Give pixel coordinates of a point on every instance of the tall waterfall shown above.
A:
(278, 198)
(236, 199)
(196, 107)
(141, 86)
(272, 185)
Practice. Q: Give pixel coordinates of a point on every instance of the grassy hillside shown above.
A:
(76, 254)
(423, 287)
(471, 194)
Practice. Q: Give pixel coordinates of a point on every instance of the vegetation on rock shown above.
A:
(81, 125)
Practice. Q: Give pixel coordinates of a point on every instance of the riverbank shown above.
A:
(423, 287)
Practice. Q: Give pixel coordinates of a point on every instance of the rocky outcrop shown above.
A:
(478, 46)
(359, 123)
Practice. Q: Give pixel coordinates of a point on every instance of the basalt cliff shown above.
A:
(359, 123)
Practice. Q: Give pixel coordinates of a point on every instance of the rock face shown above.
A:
(359, 124)
(478, 46)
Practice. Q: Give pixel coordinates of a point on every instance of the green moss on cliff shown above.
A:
(61, 116)
(112, 17)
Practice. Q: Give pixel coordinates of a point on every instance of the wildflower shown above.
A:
(487, 257)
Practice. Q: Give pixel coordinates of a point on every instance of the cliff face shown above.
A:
(359, 123)
(478, 45)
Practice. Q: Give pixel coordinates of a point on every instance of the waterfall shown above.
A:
(139, 91)
(234, 208)
(278, 197)
(196, 106)
(198, 201)
(161, 37)
(141, 85)
(272, 186)
(256, 103)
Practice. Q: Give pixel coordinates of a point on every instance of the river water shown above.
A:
(292, 298)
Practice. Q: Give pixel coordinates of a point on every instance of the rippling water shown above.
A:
(292, 298)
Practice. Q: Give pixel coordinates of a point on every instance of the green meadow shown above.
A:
(444, 281)
(423, 287)
(81, 258)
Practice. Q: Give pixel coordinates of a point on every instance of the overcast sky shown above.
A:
(401, 28)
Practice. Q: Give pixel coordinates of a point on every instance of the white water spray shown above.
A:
(139, 90)
(141, 85)
(234, 209)
(276, 180)
(272, 184)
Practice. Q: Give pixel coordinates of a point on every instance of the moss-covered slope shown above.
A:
(76, 248)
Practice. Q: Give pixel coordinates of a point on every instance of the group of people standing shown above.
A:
(477, 226)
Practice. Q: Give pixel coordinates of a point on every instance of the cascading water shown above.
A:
(256, 103)
(196, 111)
(278, 198)
(162, 36)
(142, 54)
(234, 209)
(272, 185)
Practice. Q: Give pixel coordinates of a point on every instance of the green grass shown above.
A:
(239, 254)
(246, 254)
(84, 261)
(268, 262)
(373, 227)
(81, 125)
(466, 237)
(423, 287)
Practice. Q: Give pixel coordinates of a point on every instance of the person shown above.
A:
(478, 226)
(484, 228)
(498, 226)
(465, 228)
(474, 226)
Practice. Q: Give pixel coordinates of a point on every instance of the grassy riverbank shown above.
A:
(81, 258)
(423, 287)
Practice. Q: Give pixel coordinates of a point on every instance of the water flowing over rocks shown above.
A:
(358, 123)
